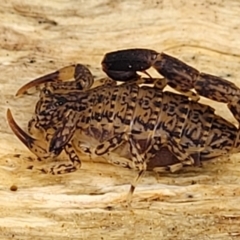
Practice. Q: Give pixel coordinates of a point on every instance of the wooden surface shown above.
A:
(37, 37)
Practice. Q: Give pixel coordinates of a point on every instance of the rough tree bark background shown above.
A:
(37, 37)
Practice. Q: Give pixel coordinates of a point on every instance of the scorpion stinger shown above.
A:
(82, 75)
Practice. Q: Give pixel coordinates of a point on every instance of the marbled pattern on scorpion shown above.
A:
(139, 127)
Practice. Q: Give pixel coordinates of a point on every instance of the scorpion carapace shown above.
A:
(131, 125)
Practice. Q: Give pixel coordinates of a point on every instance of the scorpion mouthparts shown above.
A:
(22, 136)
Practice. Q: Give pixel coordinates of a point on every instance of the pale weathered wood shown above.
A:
(40, 36)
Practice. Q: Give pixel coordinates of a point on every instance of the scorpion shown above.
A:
(132, 124)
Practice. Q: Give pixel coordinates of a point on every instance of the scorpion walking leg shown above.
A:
(66, 168)
(114, 142)
(133, 186)
(137, 158)
(81, 74)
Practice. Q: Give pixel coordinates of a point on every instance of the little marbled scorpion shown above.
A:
(134, 124)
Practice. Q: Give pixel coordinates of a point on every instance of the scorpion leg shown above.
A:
(133, 186)
(114, 142)
(137, 159)
(63, 167)
(58, 141)
(81, 74)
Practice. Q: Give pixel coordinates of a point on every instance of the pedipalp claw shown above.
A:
(62, 74)
(36, 146)
(52, 77)
(22, 135)
(82, 76)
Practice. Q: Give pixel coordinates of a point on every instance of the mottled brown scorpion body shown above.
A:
(139, 127)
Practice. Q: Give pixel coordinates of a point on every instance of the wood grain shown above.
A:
(37, 37)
